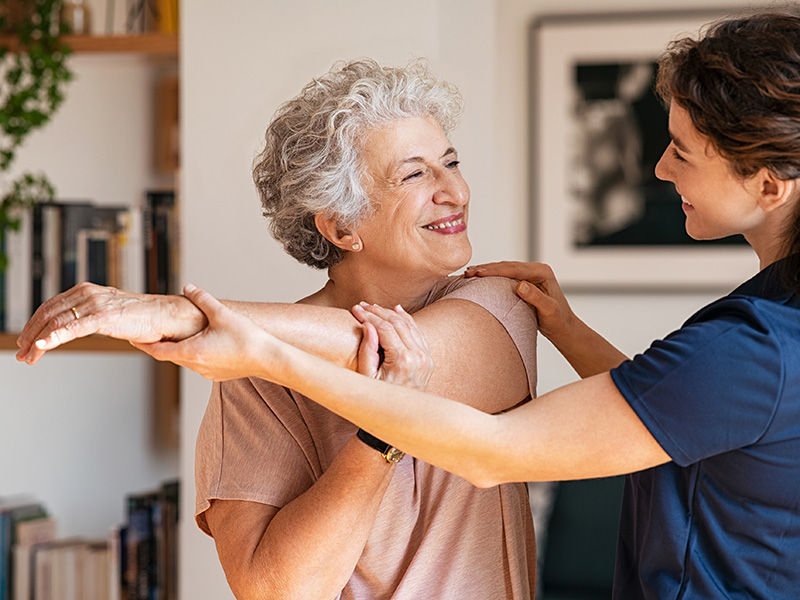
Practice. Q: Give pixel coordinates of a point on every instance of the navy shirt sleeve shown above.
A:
(710, 387)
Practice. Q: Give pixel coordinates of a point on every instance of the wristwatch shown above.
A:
(389, 453)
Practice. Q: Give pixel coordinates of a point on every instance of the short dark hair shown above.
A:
(740, 84)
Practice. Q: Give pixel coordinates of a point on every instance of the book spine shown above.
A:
(18, 274)
(37, 257)
(51, 244)
(160, 229)
(132, 250)
(73, 217)
(141, 552)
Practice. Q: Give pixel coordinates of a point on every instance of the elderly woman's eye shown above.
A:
(453, 164)
(412, 176)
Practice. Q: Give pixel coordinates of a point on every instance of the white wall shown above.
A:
(76, 429)
(239, 64)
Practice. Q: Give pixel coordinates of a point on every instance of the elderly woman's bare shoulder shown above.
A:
(497, 292)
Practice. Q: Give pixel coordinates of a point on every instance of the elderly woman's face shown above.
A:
(421, 200)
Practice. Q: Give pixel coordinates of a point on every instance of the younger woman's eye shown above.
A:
(677, 156)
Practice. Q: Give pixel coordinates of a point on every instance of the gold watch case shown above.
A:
(393, 455)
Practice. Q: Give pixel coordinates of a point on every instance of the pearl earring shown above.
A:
(356, 246)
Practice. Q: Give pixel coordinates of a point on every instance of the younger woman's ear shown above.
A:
(348, 241)
(772, 191)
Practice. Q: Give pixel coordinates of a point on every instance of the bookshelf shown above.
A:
(99, 412)
(153, 44)
(148, 44)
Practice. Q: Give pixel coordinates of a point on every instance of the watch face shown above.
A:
(394, 455)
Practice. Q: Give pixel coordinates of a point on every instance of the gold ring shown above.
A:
(75, 312)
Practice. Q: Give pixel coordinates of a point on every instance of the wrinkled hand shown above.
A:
(87, 309)
(539, 288)
(229, 347)
(407, 359)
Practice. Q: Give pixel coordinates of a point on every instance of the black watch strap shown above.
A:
(373, 442)
(389, 452)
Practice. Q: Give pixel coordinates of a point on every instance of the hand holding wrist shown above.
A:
(181, 318)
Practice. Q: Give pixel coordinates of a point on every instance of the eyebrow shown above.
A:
(412, 159)
(676, 140)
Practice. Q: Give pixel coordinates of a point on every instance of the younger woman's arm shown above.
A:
(586, 429)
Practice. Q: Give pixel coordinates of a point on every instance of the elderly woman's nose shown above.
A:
(452, 189)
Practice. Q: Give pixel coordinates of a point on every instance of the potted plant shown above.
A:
(33, 76)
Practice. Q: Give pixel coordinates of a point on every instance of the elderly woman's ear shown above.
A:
(348, 241)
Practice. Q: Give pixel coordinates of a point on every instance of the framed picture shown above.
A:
(600, 216)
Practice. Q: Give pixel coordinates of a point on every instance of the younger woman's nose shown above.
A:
(662, 170)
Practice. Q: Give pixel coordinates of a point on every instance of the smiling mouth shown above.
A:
(452, 222)
(685, 201)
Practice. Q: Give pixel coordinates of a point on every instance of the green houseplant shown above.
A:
(33, 76)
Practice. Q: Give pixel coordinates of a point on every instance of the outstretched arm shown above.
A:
(587, 351)
(330, 333)
(582, 430)
(476, 360)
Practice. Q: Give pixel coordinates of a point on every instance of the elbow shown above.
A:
(480, 476)
(489, 462)
(266, 586)
(484, 481)
(247, 585)
(249, 591)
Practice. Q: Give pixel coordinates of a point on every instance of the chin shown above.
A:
(463, 260)
(705, 237)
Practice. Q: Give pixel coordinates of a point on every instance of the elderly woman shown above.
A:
(357, 177)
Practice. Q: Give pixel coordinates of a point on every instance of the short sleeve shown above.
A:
(252, 445)
(498, 296)
(710, 387)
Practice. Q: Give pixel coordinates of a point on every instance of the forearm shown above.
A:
(330, 333)
(437, 430)
(311, 546)
(587, 351)
(586, 429)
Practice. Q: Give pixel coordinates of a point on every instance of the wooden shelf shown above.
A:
(151, 44)
(93, 343)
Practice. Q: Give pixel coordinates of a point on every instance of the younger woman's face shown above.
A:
(717, 203)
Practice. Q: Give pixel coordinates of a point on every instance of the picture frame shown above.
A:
(600, 217)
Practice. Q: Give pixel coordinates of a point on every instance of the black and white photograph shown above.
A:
(597, 203)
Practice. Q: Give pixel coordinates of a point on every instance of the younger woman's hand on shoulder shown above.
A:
(538, 287)
(407, 359)
(229, 347)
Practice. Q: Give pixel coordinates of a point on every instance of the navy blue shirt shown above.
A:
(722, 397)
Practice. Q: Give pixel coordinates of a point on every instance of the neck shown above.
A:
(351, 282)
(769, 240)
(768, 251)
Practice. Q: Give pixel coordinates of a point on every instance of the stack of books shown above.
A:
(137, 562)
(146, 546)
(60, 244)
